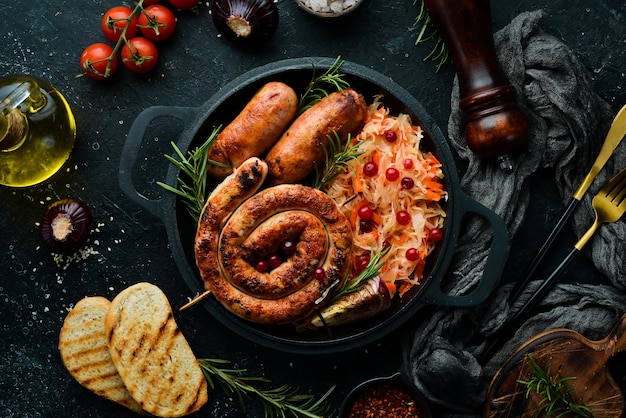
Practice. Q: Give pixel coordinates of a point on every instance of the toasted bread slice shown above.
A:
(85, 352)
(151, 354)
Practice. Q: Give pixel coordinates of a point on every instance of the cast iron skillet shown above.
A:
(221, 109)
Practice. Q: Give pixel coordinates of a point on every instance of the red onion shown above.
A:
(65, 226)
(245, 21)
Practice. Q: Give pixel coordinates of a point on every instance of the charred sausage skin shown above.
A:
(301, 148)
(256, 129)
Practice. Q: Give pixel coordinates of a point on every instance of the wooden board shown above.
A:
(569, 354)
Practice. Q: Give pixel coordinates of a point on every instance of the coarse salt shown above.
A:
(329, 6)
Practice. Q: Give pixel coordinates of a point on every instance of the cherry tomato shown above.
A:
(184, 4)
(96, 58)
(139, 55)
(115, 20)
(157, 22)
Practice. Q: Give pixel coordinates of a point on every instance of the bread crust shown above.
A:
(238, 228)
(85, 353)
(151, 355)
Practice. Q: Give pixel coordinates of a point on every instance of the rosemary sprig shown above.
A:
(316, 90)
(556, 396)
(337, 159)
(439, 52)
(372, 270)
(193, 166)
(280, 402)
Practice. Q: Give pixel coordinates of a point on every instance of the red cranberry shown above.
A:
(262, 266)
(365, 212)
(435, 234)
(288, 248)
(366, 226)
(412, 254)
(392, 174)
(362, 263)
(390, 136)
(319, 273)
(274, 260)
(403, 217)
(407, 183)
(370, 169)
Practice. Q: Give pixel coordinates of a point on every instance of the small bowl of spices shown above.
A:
(328, 8)
(385, 397)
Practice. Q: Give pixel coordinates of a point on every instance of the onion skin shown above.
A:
(367, 302)
(65, 226)
(247, 22)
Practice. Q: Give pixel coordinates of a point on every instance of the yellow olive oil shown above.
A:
(37, 130)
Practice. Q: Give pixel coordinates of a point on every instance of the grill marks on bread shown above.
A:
(151, 354)
(85, 353)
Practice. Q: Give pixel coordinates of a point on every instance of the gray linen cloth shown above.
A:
(568, 125)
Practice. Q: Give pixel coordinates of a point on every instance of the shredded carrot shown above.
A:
(376, 218)
(356, 180)
(387, 198)
(391, 287)
(354, 217)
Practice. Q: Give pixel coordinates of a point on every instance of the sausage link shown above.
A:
(259, 125)
(240, 226)
(302, 147)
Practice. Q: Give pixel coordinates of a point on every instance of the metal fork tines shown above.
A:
(609, 205)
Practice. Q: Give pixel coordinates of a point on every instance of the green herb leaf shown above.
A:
(318, 87)
(337, 159)
(439, 52)
(556, 398)
(192, 181)
(373, 269)
(280, 402)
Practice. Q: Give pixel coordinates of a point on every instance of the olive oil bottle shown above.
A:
(37, 130)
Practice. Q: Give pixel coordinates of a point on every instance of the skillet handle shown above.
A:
(496, 259)
(133, 145)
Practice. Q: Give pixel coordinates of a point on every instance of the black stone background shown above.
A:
(45, 38)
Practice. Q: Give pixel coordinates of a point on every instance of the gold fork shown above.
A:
(609, 204)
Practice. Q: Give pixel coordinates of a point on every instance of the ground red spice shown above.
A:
(383, 401)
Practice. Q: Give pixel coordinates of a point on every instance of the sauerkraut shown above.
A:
(352, 189)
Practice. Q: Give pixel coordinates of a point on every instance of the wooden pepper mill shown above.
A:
(495, 125)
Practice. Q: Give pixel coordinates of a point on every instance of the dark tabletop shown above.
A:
(45, 38)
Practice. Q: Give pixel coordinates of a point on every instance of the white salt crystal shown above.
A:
(329, 6)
